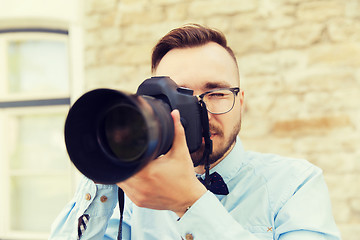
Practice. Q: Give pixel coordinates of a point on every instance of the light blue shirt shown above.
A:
(271, 197)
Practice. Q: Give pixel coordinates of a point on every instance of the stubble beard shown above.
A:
(223, 146)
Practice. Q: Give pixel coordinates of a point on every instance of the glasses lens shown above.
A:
(219, 101)
(126, 134)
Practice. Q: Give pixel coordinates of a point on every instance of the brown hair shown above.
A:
(190, 35)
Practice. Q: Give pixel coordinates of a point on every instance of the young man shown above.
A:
(264, 196)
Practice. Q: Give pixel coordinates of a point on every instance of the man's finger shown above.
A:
(179, 136)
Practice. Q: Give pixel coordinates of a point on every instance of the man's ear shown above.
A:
(241, 99)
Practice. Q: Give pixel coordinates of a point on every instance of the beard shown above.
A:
(222, 147)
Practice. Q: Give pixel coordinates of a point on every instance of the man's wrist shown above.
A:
(180, 214)
(187, 204)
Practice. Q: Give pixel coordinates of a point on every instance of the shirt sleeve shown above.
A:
(208, 219)
(96, 200)
(305, 214)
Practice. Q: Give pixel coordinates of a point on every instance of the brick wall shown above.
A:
(300, 68)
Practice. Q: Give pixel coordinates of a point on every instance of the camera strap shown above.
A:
(208, 142)
(121, 201)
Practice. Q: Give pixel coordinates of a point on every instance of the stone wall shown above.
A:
(300, 70)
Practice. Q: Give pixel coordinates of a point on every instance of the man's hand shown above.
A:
(168, 182)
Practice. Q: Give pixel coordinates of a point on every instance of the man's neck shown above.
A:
(201, 169)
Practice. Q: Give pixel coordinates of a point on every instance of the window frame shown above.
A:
(18, 36)
(34, 103)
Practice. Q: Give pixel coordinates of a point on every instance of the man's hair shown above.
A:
(190, 35)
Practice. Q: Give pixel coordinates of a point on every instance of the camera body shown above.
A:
(110, 135)
(166, 90)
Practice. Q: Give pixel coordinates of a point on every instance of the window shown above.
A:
(35, 171)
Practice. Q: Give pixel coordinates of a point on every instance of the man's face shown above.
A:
(202, 69)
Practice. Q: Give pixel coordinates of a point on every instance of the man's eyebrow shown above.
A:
(213, 85)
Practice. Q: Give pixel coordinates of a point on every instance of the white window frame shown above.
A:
(6, 173)
(74, 41)
(6, 37)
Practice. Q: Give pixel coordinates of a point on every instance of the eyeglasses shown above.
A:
(221, 100)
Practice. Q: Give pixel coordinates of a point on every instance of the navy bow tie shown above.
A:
(217, 184)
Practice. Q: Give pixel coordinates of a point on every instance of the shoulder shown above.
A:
(282, 176)
(272, 166)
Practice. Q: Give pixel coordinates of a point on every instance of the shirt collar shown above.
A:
(231, 164)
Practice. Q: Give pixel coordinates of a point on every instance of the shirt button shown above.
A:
(88, 196)
(103, 199)
(189, 236)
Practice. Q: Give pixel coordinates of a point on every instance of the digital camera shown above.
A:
(110, 135)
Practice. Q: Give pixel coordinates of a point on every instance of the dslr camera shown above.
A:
(111, 135)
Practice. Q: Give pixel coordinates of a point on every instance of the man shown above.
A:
(264, 197)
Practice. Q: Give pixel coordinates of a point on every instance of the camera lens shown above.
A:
(111, 135)
(126, 132)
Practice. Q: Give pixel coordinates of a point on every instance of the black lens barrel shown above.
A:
(110, 135)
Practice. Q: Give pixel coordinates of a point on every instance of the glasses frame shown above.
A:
(235, 91)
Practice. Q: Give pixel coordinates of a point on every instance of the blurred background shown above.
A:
(300, 69)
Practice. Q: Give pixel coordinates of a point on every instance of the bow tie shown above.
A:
(217, 184)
